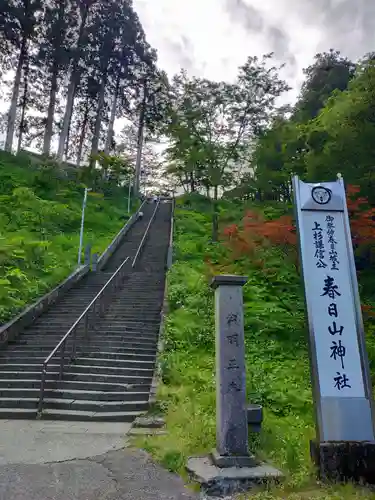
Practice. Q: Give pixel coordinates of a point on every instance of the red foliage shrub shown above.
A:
(362, 217)
(256, 230)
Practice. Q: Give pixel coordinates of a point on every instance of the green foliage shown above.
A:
(212, 124)
(277, 364)
(330, 71)
(331, 131)
(39, 228)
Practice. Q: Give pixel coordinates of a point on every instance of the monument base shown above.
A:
(344, 461)
(219, 481)
(223, 461)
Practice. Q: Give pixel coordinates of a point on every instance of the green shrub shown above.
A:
(40, 217)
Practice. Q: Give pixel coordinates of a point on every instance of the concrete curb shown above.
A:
(160, 348)
(157, 372)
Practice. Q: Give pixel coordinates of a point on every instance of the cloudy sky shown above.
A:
(211, 38)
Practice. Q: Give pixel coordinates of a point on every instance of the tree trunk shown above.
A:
(98, 122)
(107, 147)
(16, 90)
(67, 117)
(74, 77)
(83, 133)
(51, 112)
(25, 96)
(140, 144)
(192, 182)
(54, 77)
(215, 216)
(66, 152)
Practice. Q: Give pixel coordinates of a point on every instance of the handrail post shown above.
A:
(62, 356)
(42, 385)
(74, 349)
(86, 327)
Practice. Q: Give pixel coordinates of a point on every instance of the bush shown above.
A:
(40, 217)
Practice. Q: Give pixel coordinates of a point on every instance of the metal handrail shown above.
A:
(113, 282)
(105, 256)
(100, 299)
(145, 235)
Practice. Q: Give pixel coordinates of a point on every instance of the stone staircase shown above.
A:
(111, 376)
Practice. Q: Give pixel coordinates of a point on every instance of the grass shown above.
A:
(40, 217)
(276, 355)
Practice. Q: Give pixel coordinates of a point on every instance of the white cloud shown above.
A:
(211, 38)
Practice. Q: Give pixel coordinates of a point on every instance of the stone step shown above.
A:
(49, 327)
(151, 305)
(108, 331)
(120, 361)
(85, 416)
(110, 378)
(134, 308)
(131, 364)
(128, 323)
(118, 328)
(25, 355)
(109, 370)
(149, 355)
(128, 342)
(53, 376)
(17, 414)
(121, 308)
(21, 360)
(110, 324)
(86, 395)
(92, 346)
(124, 346)
(75, 405)
(82, 297)
(95, 406)
(69, 385)
(144, 293)
(80, 368)
(122, 318)
(134, 329)
(68, 415)
(39, 349)
(115, 338)
(123, 336)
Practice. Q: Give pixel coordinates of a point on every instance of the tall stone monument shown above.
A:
(231, 409)
(344, 447)
(231, 467)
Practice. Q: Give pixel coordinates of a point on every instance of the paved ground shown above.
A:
(36, 442)
(73, 461)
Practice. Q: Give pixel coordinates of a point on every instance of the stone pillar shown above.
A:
(231, 408)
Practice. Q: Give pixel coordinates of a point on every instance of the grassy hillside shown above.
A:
(40, 216)
(276, 352)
